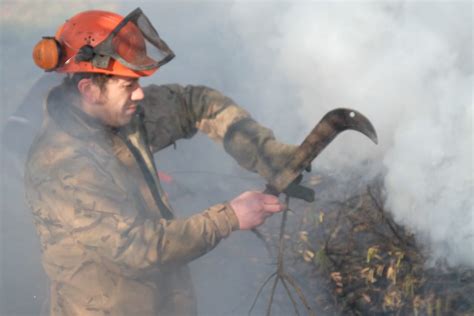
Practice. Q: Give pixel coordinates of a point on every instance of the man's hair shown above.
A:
(71, 81)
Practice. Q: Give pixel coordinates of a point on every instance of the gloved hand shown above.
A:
(280, 154)
(276, 155)
(255, 148)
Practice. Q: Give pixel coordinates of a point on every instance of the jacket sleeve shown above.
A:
(80, 204)
(173, 112)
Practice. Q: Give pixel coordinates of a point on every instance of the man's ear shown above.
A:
(89, 90)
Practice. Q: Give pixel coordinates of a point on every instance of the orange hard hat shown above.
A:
(104, 42)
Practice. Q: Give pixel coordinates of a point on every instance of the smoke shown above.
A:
(408, 67)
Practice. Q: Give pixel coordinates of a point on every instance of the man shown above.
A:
(111, 243)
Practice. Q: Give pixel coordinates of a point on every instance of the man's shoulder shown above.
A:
(162, 92)
(52, 149)
(173, 89)
(162, 87)
(172, 97)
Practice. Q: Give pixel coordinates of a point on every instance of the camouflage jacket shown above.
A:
(111, 244)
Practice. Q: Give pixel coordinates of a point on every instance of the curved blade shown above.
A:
(339, 120)
(333, 123)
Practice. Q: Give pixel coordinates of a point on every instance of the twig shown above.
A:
(290, 296)
(260, 291)
(299, 292)
(281, 246)
(336, 223)
(379, 207)
(270, 301)
(262, 238)
(280, 269)
(281, 242)
(281, 275)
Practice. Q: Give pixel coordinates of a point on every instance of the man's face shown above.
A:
(118, 100)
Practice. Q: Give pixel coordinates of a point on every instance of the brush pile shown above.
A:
(351, 258)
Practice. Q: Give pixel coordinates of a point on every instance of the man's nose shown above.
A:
(138, 94)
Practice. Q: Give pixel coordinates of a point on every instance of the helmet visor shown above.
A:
(135, 44)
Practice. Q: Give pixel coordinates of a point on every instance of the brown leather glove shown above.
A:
(275, 155)
(255, 148)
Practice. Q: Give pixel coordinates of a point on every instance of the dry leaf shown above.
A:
(308, 255)
(379, 269)
(400, 255)
(314, 180)
(366, 298)
(392, 274)
(372, 252)
(369, 275)
(303, 236)
(337, 278)
(392, 300)
(360, 228)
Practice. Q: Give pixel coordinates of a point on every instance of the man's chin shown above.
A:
(124, 121)
(119, 122)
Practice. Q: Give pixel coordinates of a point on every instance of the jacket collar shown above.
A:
(60, 108)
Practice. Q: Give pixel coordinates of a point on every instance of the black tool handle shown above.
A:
(294, 190)
(271, 190)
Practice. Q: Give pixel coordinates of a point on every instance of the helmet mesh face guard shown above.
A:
(134, 43)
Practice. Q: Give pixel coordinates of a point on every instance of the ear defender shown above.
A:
(47, 53)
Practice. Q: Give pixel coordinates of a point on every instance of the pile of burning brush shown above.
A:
(346, 256)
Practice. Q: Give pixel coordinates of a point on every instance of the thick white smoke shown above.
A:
(408, 67)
